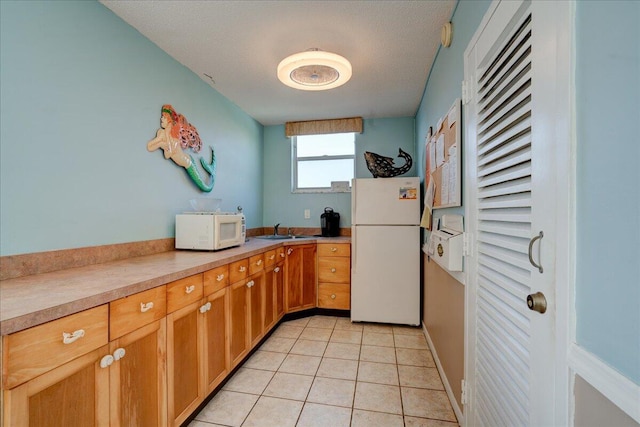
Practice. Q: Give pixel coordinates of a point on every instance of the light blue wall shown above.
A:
(444, 84)
(608, 183)
(382, 136)
(81, 96)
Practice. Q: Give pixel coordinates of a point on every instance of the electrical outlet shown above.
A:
(307, 213)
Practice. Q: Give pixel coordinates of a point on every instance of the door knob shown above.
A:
(537, 302)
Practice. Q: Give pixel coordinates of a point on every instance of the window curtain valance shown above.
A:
(321, 127)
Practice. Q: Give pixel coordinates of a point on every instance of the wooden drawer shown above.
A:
(216, 279)
(334, 249)
(183, 292)
(334, 270)
(270, 258)
(238, 270)
(40, 349)
(331, 295)
(130, 313)
(256, 264)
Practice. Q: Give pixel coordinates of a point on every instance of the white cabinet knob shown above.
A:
(333, 296)
(250, 284)
(205, 308)
(119, 353)
(259, 262)
(190, 289)
(277, 269)
(289, 251)
(281, 254)
(272, 256)
(333, 270)
(106, 361)
(219, 277)
(68, 338)
(242, 269)
(145, 307)
(334, 249)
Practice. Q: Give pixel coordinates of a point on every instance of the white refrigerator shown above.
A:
(385, 258)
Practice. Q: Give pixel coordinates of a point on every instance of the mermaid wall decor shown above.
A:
(177, 134)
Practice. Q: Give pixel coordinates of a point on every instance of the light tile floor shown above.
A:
(324, 371)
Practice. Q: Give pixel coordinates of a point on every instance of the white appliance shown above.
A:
(209, 231)
(385, 258)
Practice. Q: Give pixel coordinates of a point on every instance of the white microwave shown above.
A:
(209, 231)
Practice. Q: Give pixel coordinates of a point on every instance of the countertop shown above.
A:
(32, 300)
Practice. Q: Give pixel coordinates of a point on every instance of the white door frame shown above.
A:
(560, 17)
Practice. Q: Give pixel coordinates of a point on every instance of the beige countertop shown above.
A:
(32, 300)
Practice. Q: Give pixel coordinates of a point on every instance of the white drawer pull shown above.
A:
(272, 256)
(205, 308)
(281, 254)
(242, 269)
(219, 277)
(259, 262)
(289, 251)
(333, 270)
(118, 354)
(190, 289)
(334, 249)
(277, 269)
(250, 284)
(146, 307)
(333, 296)
(106, 361)
(68, 338)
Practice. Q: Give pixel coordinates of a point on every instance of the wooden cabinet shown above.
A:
(52, 374)
(138, 382)
(119, 383)
(238, 325)
(334, 275)
(151, 358)
(137, 375)
(184, 347)
(300, 279)
(216, 339)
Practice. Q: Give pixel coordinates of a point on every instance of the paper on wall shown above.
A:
(440, 150)
(453, 178)
(444, 191)
(425, 222)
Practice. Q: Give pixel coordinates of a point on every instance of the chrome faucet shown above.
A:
(289, 233)
(275, 229)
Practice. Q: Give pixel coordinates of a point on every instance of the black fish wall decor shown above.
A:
(381, 166)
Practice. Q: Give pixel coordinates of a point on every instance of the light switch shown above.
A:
(307, 213)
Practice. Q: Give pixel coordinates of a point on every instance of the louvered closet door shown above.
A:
(510, 199)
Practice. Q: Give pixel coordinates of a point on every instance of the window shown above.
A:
(320, 159)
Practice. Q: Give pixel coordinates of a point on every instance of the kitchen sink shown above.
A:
(281, 237)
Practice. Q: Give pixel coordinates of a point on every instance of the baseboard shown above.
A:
(443, 376)
(620, 390)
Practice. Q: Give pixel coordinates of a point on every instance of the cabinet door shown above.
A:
(269, 297)
(138, 382)
(256, 287)
(238, 329)
(278, 272)
(216, 339)
(309, 276)
(74, 394)
(184, 362)
(293, 279)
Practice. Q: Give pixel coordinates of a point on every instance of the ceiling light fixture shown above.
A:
(314, 69)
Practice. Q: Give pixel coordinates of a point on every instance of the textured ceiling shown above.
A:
(391, 46)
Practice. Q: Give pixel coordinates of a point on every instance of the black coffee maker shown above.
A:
(330, 223)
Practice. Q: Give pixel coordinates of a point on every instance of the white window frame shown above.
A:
(294, 169)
